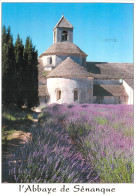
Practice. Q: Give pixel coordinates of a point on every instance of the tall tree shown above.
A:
(31, 74)
(19, 72)
(8, 67)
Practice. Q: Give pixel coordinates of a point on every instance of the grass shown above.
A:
(15, 120)
(8, 135)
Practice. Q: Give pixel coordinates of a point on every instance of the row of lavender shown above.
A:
(79, 143)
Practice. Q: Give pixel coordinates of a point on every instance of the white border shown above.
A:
(121, 189)
(74, 1)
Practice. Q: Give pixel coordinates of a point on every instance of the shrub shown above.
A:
(51, 157)
(79, 143)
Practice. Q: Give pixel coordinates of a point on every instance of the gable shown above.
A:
(63, 22)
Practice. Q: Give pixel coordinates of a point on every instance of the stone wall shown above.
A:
(46, 61)
(77, 58)
(110, 99)
(57, 59)
(129, 91)
(67, 86)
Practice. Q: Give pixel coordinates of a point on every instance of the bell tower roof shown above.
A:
(64, 23)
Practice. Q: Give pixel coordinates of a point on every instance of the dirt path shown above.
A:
(9, 148)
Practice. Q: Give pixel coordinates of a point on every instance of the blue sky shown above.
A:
(104, 31)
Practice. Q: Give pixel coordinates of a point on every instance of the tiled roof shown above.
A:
(130, 82)
(61, 48)
(69, 68)
(109, 90)
(102, 70)
(63, 22)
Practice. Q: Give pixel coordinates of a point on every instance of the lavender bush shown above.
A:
(79, 143)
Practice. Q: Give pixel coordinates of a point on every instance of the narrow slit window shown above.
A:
(90, 91)
(49, 60)
(58, 94)
(75, 95)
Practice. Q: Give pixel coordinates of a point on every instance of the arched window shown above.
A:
(64, 36)
(58, 94)
(75, 95)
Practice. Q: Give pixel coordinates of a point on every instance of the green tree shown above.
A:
(19, 72)
(8, 68)
(31, 74)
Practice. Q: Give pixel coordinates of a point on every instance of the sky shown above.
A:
(104, 31)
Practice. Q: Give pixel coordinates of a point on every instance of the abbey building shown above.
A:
(65, 76)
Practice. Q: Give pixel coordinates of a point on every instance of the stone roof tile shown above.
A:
(109, 90)
(103, 70)
(69, 68)
(61, 48)
(63, 22)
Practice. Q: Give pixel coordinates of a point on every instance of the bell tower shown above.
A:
(63, 31)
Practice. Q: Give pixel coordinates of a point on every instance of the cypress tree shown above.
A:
(19, 72)
(8, 68)
(31, 74)
(35, 98)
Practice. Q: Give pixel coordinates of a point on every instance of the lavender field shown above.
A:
(78, 143)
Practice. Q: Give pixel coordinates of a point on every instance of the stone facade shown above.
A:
(84, 86)
(77, 58)
(110, 99)
(51, 61)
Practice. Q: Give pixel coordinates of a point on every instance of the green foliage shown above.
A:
(8, 67)
(116, 170)
(44, 117)
(128, 132)
(19, 72)
(31, 75)
(8, 116)
(77, 129)
(101, 120)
